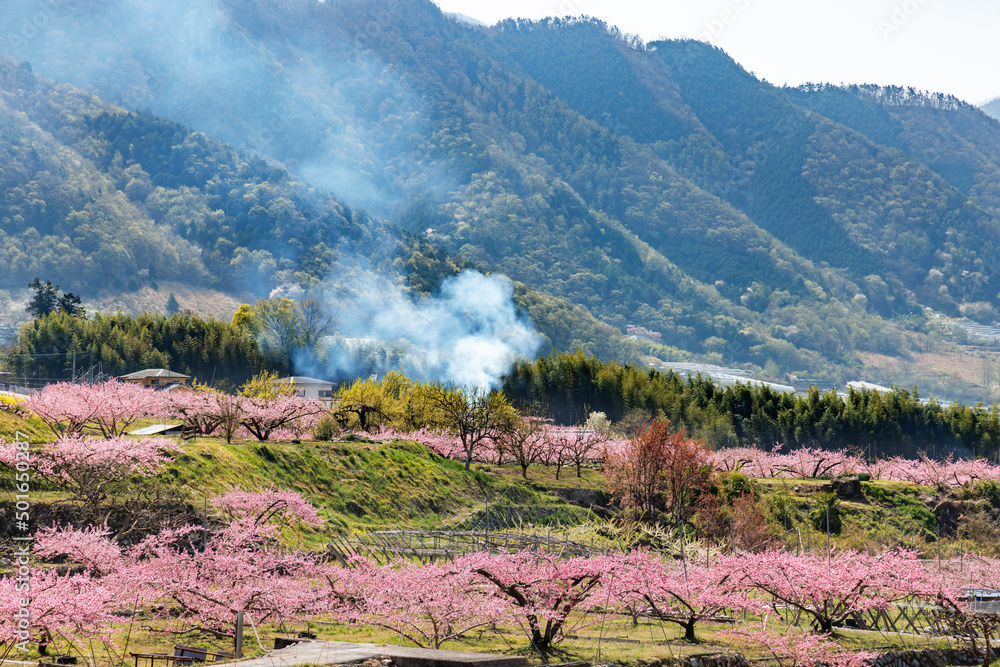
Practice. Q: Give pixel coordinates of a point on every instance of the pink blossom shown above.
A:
(89, 546)
(427, 604)
(94, 468)
(74, 607)
(263, 416)
(808, 462)
(681, 593)
(271, 506)
(794, 648)
(830, 590)
(110, 407)
(439, 441)
(544, 590)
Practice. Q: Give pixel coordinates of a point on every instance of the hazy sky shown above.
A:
(939, 45)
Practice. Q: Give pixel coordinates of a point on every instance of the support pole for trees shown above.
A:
(680, 525)
(204, 529)
(828, 536)
(239, 634)
(939, 545)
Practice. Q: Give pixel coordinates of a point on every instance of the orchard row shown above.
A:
(470, 426)
(189, 579)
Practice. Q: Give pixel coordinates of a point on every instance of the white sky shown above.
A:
(950, 46)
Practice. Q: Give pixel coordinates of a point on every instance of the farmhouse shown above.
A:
(158, 378)
(307, 387)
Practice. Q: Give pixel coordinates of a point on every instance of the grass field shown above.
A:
(595, 637)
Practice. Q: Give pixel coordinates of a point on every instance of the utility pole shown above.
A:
(74, 359)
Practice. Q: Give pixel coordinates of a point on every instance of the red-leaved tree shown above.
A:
(659, 470)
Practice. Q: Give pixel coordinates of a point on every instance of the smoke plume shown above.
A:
(468, 334)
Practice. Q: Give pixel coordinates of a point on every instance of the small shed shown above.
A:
(159, 429)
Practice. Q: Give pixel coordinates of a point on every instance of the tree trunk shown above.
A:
(540, 645)
(689, 630)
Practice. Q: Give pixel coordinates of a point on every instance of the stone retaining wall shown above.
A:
(924, 658)
(927, 658)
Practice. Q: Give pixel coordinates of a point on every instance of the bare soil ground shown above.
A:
(977, 367)
(202, 301)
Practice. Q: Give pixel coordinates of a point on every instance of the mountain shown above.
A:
(97, 198)
(992, 108)
(657, 187)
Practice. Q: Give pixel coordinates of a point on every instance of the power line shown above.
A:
(37, 355)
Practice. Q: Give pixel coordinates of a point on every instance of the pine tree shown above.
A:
(69, 303)
(45, 300)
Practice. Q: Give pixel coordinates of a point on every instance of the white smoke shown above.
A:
(468, 334)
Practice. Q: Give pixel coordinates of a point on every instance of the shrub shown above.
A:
(326, 429)
(826, 502)
(990, 492)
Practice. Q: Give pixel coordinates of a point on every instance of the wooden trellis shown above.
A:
(902, 617)
(427, 546)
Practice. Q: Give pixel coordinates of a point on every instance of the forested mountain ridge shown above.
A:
(101, 201)
(658, 186)
(97, 198)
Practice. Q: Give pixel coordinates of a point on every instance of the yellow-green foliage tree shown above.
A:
(369, 403)
(474, 416)
(266, 385)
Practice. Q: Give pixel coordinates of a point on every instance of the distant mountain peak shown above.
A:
(458, 17)
(992, 108)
